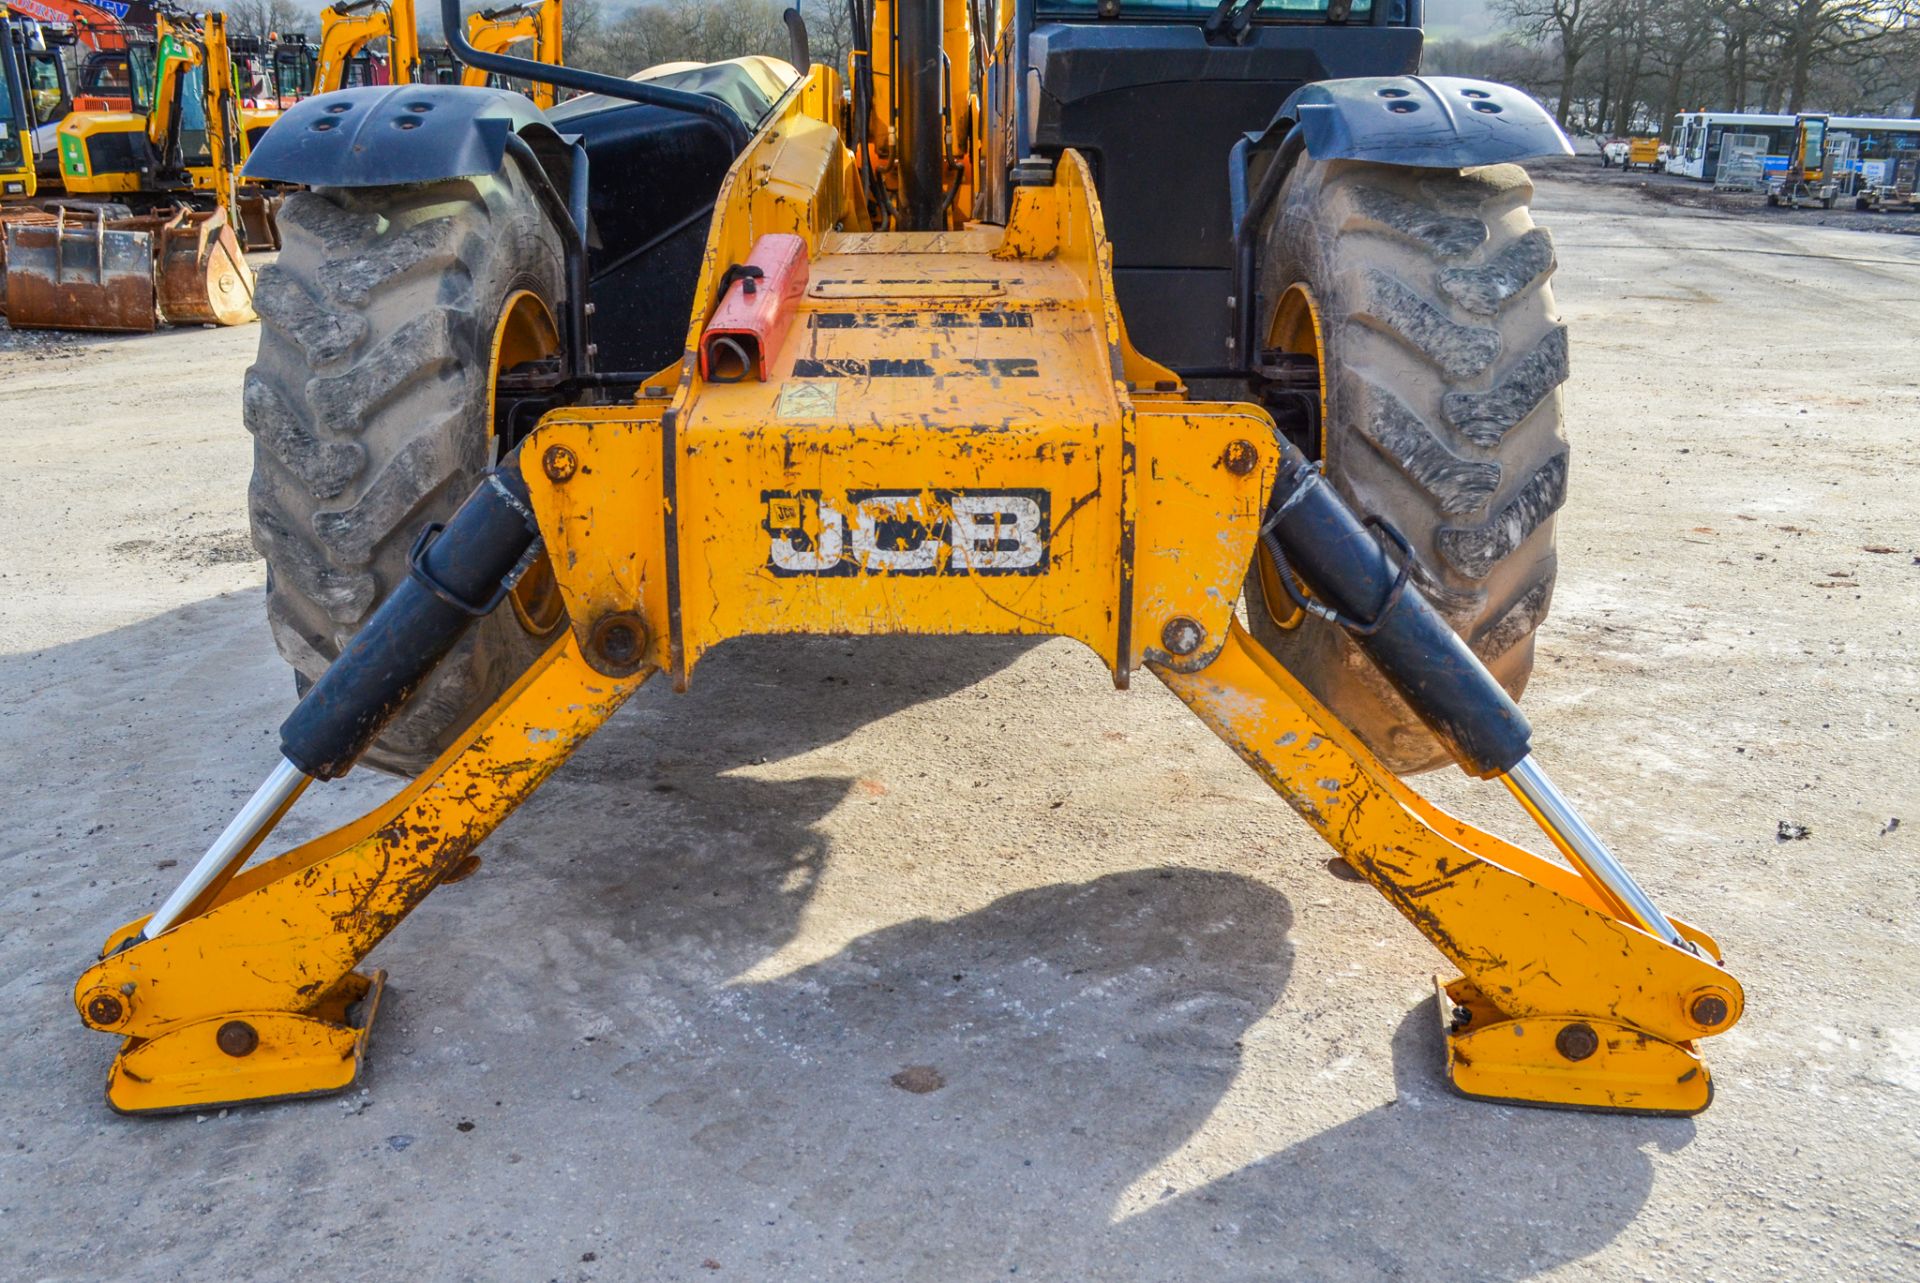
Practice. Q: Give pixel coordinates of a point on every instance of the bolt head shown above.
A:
(105, 1009)
(618, 643)
(237, 1038)
(560, 464)
(1240, 458)
(1709, 1010)
(1182, 636)
(1577, 1042)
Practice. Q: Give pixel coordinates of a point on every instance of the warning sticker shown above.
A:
(807, 399)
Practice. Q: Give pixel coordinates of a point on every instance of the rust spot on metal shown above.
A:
(237, 1038)
(468, 866)
(1709, 1010)
(81, 271)
(1182, 636)
(617, 643)
(1576, 1042)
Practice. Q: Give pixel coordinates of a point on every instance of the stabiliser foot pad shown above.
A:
(245, 1057)
(1565, 1061)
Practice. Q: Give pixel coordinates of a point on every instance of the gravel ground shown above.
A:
(943, 960)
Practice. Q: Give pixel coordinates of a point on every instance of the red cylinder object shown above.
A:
(755, 311)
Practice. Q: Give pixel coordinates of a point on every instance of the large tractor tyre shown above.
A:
(1424, 295)
(385, 325)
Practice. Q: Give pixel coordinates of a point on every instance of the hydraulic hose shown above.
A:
(922, 136)
(1311, 533)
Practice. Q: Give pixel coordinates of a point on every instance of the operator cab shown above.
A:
(1154, 93)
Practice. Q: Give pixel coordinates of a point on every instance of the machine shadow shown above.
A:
(130, 749)
(1018, 1065)
(1022, 1064)
(1429, 1185)
(690, 834)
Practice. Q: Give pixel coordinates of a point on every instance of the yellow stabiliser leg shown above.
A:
(1561, 1002)
(255, 996)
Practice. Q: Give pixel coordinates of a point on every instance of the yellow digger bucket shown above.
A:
(203, 275)
(26, 216)
(79, 271)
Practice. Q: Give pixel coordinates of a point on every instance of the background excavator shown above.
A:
(349, 31)
(18, 180)
(1216, 340)
(495, 31)
(351, 36)
(160, 238)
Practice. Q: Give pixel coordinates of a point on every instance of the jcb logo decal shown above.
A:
(907, 532)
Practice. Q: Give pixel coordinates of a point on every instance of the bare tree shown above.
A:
(1573, 27)
(829, 30)
(1813, 33)
(270, 17)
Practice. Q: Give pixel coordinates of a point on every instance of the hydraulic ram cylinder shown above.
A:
(460, 573)
(1342, 563)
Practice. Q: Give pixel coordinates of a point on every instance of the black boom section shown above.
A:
(1312, 533)
(460, 573)
(1155, 109)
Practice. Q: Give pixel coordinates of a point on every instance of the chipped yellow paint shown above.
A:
(282, 939)
(989, 361)
(1537, 947)
(956, 437)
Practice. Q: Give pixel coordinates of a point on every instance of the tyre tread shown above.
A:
(368, 411)
(1445, 357)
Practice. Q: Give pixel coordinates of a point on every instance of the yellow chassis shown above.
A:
(956, 438)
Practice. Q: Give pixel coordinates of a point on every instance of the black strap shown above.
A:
(417, 570)
(746, 272)
(1328, 613)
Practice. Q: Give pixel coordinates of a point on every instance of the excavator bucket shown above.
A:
(259, 221)
(24, 217)
(203, 275)
(80, 271)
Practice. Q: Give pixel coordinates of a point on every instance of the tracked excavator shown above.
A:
(18, 179)
(160, 240)
(494, 31)
(1219, 341)
(348, 32)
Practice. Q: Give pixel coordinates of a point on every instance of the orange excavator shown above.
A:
(499, 30)
(110, 74)
(177, 256)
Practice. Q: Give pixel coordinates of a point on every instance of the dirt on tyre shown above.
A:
(370, 405)
(1426, 296)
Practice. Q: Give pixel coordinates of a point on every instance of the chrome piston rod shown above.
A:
(236, 843)
(1581, 845)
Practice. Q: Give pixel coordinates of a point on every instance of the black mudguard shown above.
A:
(1434, 122)
(386, 135)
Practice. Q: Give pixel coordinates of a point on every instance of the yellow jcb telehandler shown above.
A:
(1221, 343)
